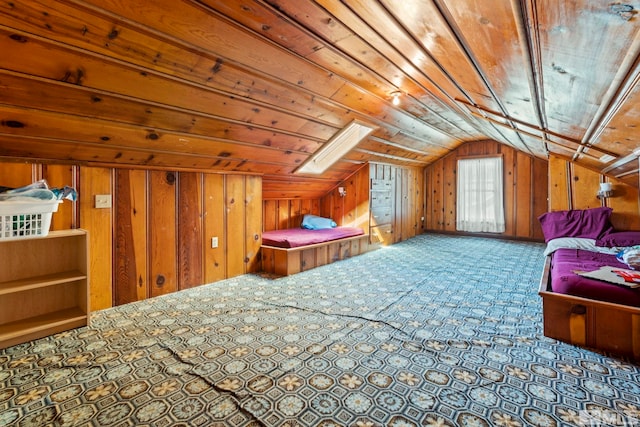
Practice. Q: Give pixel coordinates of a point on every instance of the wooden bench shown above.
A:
(584, 322)
(287, 261)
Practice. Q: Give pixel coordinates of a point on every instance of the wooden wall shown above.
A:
(525, 189)
(574, 187)
(351, 210)
(287, 213)
(406, 193)
(156, 237)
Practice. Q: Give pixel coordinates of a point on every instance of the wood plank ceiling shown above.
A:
(257, 86)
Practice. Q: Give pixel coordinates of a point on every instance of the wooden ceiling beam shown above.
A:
(620, 95)
(426, 82)
(22, 90)
(299, 85)
(542, 132)
(39, 124)
(405, 147)
(257, 86)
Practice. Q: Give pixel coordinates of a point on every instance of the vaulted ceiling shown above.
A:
(257, 86)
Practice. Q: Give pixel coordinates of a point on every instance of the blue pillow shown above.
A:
(313, 222)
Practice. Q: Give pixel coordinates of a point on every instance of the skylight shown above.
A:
(339, 145)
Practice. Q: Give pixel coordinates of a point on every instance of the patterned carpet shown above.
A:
(435, 331)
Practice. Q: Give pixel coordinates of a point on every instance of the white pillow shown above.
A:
(577, 243)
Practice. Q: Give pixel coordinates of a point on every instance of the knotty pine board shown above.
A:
(190, 237)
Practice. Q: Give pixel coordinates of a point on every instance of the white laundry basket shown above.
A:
(26, 219)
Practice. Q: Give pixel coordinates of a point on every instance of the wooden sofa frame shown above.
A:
(287, 261)
(599, 325)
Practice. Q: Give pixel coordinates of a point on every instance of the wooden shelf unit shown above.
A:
(44, 287)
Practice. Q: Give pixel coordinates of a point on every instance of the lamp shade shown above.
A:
(605, 186)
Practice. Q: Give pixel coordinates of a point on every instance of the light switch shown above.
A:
(214, 242)
(103, 201)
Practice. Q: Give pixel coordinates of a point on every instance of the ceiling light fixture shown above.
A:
(396, 97)
(339, 145)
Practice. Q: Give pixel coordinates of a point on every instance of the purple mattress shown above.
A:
(564, 281)
(296, 237)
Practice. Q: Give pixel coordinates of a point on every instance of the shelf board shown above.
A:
(40, 281)
(55, 321)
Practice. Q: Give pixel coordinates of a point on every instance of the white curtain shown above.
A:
(480, 206)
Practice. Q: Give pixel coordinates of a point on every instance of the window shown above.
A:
(339, 145)
(480, 205)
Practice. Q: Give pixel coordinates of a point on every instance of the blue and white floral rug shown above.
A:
(435, 331)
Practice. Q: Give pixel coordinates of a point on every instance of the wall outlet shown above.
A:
(214, 242)
(103, 201)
